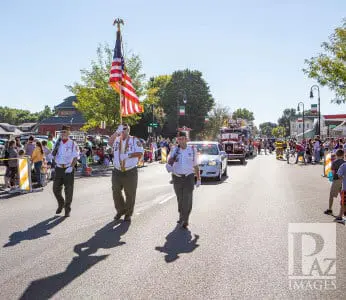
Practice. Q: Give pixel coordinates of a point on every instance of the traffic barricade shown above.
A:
(163, 155)
(24, 171)
(140, 163)
(327, 163)
(23, 176)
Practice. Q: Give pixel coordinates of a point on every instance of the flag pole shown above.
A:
(120, 22)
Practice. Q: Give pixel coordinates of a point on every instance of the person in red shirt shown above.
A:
(300, 149)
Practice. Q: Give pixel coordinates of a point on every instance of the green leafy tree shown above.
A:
(155, 91)
(267, 127)
(329, 68)
(216, 119)
(188, 85)
(45, 113)
(287, 115)
(243, 113)
(16, 116)
(279, 132)
(255, 130)
(97, 101)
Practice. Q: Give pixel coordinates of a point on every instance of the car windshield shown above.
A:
(209, 149)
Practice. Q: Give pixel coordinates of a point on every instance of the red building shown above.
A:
(66, 114)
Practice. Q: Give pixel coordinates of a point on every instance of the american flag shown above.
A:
(120, 81)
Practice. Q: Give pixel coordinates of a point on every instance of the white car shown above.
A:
(211, 158)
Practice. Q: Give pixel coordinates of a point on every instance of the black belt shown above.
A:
(182, 175)
(63, 166)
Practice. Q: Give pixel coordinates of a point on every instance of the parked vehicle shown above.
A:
(211, 158)
(2, 149)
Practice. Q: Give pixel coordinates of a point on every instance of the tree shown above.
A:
(155, 91)
(287, 115)
(255, 130)
(243, 113)
(96, 100)
(217, 117)
(16, 116)
(46, 113)
(329, 68)
(279, 132)
(155, 88)
(191, 86)
(267, 127)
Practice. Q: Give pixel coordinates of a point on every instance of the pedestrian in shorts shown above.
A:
(342, 174)
(336, 186)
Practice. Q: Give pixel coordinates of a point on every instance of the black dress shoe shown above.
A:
(67, 212)
(118, 216)
(59, 210)
(127, 218)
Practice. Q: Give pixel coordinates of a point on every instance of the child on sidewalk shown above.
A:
(84, 160)
(336, 186)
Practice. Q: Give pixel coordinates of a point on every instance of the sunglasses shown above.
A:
(124, 128)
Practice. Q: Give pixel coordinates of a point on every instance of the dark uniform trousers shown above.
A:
(183, 187)
(128, 181)
(67, 180)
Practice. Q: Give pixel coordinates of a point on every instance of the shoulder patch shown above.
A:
(139, 144)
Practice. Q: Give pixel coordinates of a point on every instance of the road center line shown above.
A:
(166, 199)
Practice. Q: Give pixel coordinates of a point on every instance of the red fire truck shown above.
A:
(234, 140)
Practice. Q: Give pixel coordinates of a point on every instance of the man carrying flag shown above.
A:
(127, 149)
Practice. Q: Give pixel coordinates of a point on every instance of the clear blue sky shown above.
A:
(250, 52)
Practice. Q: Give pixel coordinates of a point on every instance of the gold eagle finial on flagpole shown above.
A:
(118, 22)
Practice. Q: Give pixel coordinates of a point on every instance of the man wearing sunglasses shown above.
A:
(127, 151)
(65, 153)
(182, 162)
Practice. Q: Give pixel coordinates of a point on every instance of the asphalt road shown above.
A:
(237, 245)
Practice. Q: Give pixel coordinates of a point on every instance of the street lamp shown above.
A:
(316, 87)
(152, 128)
(298, 109)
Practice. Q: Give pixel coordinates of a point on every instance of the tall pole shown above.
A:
(319, 105)
(152, 128)
(301, 103)
(177, 114)
(120, 22)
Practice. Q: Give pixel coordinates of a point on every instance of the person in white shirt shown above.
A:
(65, 153)
(182, 162)
(127, 151)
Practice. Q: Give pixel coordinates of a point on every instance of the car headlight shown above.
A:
(212, 163)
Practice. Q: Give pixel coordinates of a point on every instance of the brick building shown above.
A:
(66, 114)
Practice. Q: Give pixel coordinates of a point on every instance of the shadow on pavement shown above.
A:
(45, 288)
(35, 232)
(105, 238)
(236, 163)
(177, 242)
(212, 181)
